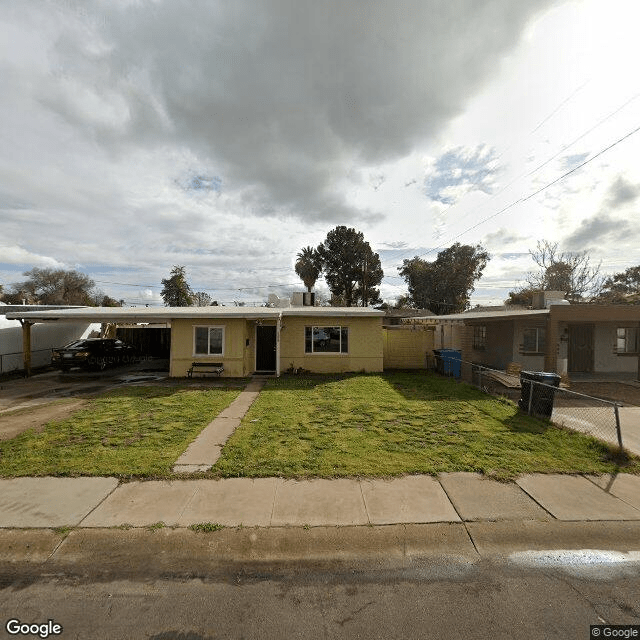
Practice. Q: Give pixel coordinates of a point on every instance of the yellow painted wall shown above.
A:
(365, 345)
(407, 347)
(235, 354)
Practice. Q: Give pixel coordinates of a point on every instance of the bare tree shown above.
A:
(55, 286)
(564, 271)
(201, 299)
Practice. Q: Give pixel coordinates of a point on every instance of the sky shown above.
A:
(224, 137)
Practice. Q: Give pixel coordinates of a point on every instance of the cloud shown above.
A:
(459, 171)
(570, 162)
(200, 182)
(17, 255)
(599, 230)
(501, 238)
(281, 96)
(605, 228)
(622, 192)
(398, 244)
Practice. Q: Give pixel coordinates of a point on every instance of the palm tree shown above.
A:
(308, 266)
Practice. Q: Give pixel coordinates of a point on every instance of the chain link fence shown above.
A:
(563, 407)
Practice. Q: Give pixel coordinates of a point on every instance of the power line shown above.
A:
(539, 191)
(598, 124)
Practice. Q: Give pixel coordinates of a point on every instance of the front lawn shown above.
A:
(396, 423)
(129, 432)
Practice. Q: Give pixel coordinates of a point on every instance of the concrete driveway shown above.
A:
(42, 388)
(600, 423)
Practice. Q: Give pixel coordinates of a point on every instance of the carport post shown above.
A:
(26, 346)
(618, 429)
(278, 330)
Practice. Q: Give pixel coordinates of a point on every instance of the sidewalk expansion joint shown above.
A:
(273, 504)
(364, 502)
(464, 522)
(536, 501)
(79, 525)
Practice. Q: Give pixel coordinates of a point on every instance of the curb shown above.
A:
(176, 552)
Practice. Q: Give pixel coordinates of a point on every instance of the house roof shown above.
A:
(500, 314)
(166, 314)
(560, 312)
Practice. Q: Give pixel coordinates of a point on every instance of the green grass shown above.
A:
(206, 527)
(397, 423)
(129, 432)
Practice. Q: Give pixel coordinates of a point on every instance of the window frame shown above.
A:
(539, 349)
(209, 353)
(340, 329)
(625, 352)
(479, 337)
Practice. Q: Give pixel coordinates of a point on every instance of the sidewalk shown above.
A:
(274, 502)
(109, 530)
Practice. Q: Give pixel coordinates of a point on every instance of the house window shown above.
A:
(479, 338)
(627, 340)
(534, 339)
(208, 341)
(326, 340)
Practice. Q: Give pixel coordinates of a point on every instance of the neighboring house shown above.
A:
(556, 337)
(246, 340)
(395, 317)
(43, 338)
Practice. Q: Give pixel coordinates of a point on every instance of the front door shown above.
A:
(266, 348)
(580, 348)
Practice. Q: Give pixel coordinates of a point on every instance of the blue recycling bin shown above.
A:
(448, 362)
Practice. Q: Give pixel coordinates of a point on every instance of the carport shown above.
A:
(99, 315)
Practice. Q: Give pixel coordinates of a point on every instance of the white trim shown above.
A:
(326, 353)
(278, 329)
(208, 327)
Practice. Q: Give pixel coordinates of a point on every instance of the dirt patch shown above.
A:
(15, 422)
(616, 391)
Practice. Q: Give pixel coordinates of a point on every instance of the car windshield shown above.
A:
(76, 344)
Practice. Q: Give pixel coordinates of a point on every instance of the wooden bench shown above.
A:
(206, 367)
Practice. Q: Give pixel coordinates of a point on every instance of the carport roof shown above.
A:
(166, 314)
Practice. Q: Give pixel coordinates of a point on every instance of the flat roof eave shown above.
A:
(166, 314)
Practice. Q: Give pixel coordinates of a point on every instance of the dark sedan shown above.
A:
(93, 353)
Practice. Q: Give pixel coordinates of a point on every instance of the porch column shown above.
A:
(278, 329)
(466, 352)
(552, 345)
(638, 347)
(26, 346)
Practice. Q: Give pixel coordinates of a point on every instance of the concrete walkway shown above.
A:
(274, 502)
(205, 450)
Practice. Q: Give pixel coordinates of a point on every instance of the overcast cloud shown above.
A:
(225, 136)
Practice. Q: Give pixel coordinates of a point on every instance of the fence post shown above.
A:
(480, 378)
(531, 383)
(618, 429)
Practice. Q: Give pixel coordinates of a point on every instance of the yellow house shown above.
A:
(246, 340)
